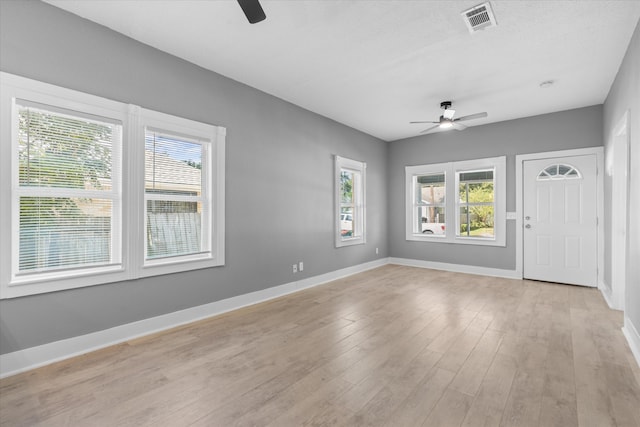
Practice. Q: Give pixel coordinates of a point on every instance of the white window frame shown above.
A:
(213, 172)
(359, 202)
(451, 170)
(128, 260)
(412, 173)
(13, 88)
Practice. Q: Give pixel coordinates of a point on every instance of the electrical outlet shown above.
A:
(295, 268)
(300, 266)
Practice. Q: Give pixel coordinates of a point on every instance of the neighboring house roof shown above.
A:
(163, 172)
(170, 175)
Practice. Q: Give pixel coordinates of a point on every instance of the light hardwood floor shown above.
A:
(394, 346)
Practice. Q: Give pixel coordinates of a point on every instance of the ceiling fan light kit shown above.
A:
(447, 121)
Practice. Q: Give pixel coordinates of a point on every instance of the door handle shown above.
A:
(527, 226)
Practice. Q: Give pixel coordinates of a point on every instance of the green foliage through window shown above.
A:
(476, 200)
(58, 152)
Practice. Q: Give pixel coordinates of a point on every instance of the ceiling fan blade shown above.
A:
(431, 128)
(252, 10)
(471, 117)
(458, 126)
(448, 114)
(422, 122)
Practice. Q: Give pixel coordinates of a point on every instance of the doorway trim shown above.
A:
(618, 153)
(520, 159)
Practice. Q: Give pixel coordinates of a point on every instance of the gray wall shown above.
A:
(558, 131)
(625, 95)
(279, 184)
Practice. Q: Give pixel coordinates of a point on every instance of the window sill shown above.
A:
(179, 264)
(53, 282)
(456, 240)
(350, 242)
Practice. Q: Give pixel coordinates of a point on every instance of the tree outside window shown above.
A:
(476, 203)
(65, 163)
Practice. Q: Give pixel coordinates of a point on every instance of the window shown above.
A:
(350, 201)
(475, 203)
(71, 219)
(173, 187)
(182, 194)
(457, 202)
(558, 171)
(66, 206)
(429, 205)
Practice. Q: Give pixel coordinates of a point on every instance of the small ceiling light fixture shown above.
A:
(446, 120)
(445, 123)
(547, 84)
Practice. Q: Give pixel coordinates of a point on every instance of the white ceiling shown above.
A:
(376, 65)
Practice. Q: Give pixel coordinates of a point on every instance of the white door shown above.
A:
(560, 220)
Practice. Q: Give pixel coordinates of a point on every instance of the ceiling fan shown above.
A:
(252, 10)
(447, 121)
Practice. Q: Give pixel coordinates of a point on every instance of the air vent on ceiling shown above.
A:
(479, 17)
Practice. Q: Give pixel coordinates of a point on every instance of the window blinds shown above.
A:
(66, 195)
(173, 195)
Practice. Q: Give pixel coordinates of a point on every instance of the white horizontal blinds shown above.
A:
(66, 197)
(174, 187)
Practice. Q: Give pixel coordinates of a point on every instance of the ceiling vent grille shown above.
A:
(479, 17)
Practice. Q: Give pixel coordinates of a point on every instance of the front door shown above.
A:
(560, 220)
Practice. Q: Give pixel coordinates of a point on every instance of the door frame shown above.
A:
(520, 159)
(618, 153)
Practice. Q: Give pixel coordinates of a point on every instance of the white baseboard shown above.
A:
(633, 338)
(611, 300)
(457, 268)
(34, 357)
(606, 292)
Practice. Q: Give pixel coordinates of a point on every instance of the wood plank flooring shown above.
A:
(394, 346)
